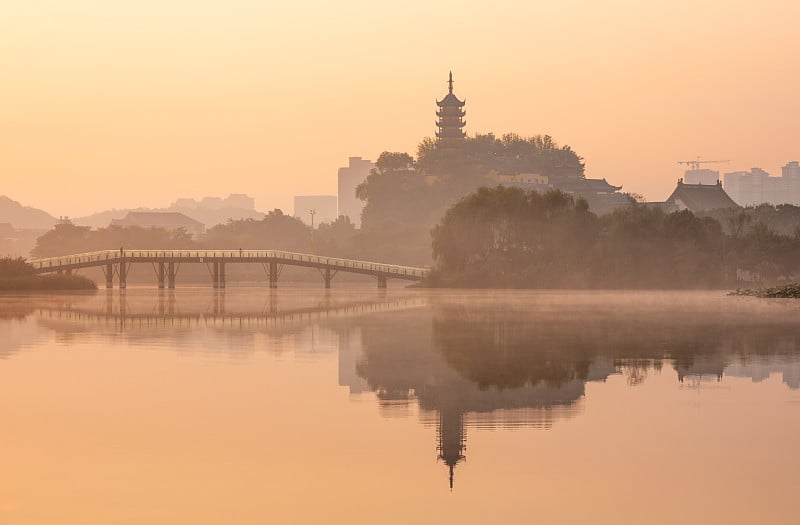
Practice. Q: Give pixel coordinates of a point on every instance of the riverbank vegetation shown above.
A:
(506, 237)
(18, 275)
(787, 291)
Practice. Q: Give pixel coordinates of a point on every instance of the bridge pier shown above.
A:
(328, 277)
(108, 271)
(381, 281)
(218, 274)
(122, 272)
(273, 274)
(171, 275)
(161, 274)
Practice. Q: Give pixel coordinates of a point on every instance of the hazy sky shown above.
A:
(117, 104)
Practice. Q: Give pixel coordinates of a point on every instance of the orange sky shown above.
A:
(118, 104)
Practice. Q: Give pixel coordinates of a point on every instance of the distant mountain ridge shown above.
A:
(24, 217)
(210, 211)
(209, 217)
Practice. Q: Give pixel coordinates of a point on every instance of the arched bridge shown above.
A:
(166, 264)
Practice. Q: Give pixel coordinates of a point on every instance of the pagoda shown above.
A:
(451, 119)
(452, 437)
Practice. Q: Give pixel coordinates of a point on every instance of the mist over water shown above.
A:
(299, 405)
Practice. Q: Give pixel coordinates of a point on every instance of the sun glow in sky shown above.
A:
(122, 104)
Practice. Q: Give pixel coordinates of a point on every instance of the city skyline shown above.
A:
(198, 94)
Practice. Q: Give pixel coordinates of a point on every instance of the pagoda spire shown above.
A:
(450, 83)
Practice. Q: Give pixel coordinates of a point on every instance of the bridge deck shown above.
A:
(106, 257)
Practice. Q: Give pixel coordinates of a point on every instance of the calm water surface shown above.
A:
(361, 406)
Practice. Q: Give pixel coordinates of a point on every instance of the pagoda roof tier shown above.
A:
(446, 125)
(450, 101)
(451, 112)
(450, 134)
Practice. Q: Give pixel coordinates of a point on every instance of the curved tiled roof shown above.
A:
(701, 197)
(450, 100)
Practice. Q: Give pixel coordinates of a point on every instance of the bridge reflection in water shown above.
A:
(211, 310)
(461, 362)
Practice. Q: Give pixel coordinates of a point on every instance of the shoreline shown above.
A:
(48, 283)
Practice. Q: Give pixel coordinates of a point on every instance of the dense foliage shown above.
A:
(781, 218)
(17, 275)
(406, 196)
(65, 239)
(505, 237)
(13, 267)
(511, 153)
(505, 234)
(787, 291)
(276, 231)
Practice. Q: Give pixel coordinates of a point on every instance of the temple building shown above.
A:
(566, 175)
(697, 198)
(451, 119)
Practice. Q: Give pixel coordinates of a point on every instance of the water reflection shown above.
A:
(526, 362)
(464, 360)
(127, 313)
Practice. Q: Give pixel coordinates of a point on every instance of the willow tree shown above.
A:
(502, 236)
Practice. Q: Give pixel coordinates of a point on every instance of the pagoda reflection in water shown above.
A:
(507, 366)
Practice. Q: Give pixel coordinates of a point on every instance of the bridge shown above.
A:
(167, 263)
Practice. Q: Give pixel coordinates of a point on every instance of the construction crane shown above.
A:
(695, 164)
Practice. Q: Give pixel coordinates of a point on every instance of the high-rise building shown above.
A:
(451, 119)
(350, 177)
(316, 208)
(754, 187)
(791, 170)
(791, 177)
(234, 200)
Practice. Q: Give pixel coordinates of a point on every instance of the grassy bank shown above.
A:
(788, 291)
(45, 283)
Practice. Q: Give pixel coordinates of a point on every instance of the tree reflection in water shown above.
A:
(494, 363)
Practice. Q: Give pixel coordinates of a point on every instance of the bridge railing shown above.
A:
(70, 260)
(111, 256)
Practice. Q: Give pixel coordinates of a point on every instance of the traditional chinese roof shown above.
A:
(700, 197)
(587, 185)
(450, 100)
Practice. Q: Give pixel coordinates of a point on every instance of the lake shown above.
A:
(358, 405)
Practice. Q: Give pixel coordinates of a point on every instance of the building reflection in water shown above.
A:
(510, 364)
(470, 362)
